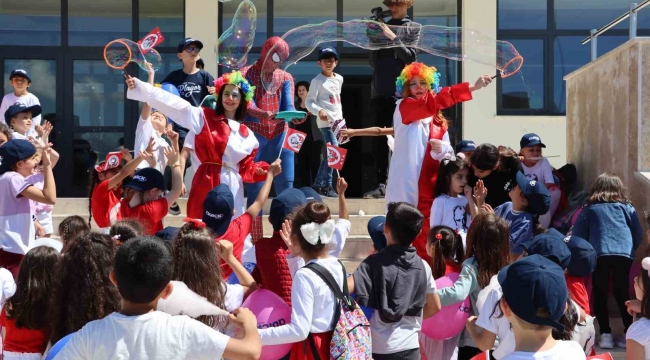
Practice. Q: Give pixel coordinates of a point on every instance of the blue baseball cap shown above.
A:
(21, 73)
(327, 52)
(283, 204)
(532, 283)
(187, 41)
(311, 194)
(583, 256)
(376, 232)
(18, 107)
(464, 146)
(168, 233)
(14, 151)
(539, 199)
(530, 140)
(551, 247)
(218, 209)
(146, 179)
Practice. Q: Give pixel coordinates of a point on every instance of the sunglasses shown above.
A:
(190, 49)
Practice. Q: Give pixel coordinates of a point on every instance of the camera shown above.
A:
(379, 14)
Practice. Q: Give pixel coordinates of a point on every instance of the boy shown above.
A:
(397, 284)
(466, 147)
(20, 119)
(143, 269)
(534, 299)
(324, 99)
(20, 81)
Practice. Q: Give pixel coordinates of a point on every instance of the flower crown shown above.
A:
(430, 74)
(235, 78)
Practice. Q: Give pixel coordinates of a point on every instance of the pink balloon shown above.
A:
(270, 311)
(450, 320)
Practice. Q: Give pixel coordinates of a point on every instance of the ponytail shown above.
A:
(447, 245)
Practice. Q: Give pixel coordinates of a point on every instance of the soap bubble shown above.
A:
(118, 53)
(236, 41)
(441, 41)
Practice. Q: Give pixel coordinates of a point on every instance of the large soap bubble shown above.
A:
(236, 41)
(453, 43)
(118, 53)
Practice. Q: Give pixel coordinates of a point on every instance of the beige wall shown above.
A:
(480, 120)
(201, 22)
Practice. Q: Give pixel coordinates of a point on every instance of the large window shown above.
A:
(548, 34)
(30, 22)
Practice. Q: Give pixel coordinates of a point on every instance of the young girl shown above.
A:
(24, 326)
(5, 134)
(495, 168)
(125, 230)
(638, 335)
(43, 212)
(19, 160)
(610, 223)
(487, 252)
(445, 246)
(71, 228)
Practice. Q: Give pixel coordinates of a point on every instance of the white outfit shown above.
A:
(189, 173)
(42, 212)
(341, 232)
(27, 100)
(451, 212)
(543, 171)
(325, 94)
(563, 350)
(143, 132)
(17, 231)
(154, 335)
(639, 331)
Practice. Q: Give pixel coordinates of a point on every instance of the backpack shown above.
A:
(351, 338)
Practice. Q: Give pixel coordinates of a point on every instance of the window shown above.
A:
(436, 12)
(525, 91)
(594, 14)
(517, 14)
(229, 9)
(166, 15)
(43, 76)
(30, 22)
(290, 14)
(95, 23)
(98, 97)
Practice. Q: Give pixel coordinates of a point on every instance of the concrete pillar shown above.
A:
(201, 22)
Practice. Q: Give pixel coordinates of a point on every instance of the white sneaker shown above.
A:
(620, 342)
(606, 341)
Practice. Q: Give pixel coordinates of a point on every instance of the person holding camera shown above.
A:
(387, 64)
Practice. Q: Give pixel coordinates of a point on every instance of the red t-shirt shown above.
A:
(237, 232)
(105, 205)
(149, 214)
(578, 292)
(451, 267)
(23, 340)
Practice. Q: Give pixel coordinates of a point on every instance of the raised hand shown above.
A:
(224, 249)
(173, 137)
(126, 155)
(480, 192)
(481, 82)
(172, 155)
(276, 168)
(130, 82)
(341, 186)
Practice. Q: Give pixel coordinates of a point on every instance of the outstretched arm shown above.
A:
(146, 108)
(371, 131)
(274, 170)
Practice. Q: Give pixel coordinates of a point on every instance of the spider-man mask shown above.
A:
(276, 51)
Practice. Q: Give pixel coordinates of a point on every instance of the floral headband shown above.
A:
(430, 74)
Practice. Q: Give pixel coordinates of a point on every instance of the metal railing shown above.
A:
(593, 37)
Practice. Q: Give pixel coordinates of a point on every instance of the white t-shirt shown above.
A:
(541, 171)
(7, 285)
(154, 335)
(143, 132)
(640, 332)
(389, 338)
(452, 212)
(16, 224)
(563, 350)
(325, 94)
(27, 100)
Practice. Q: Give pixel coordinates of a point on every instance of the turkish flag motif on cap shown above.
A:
(152, 39)
(336, 156)
(113, 160)
(293, 140)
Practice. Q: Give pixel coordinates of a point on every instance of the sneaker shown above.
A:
(620, 343)
(175, 209)
(606, 341)
(378, 193)
(328, 192)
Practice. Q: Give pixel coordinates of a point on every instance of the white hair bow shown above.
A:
(314, 232)
(451, 157)
(646, 264)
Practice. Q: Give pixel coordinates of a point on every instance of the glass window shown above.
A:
(89, 149)
(170, 62)
(229, 9)
(98, 98)
(526, 89)
(594, 14)
(436, 12)
(306, 70)
(30, 22)
(290, 14)
(517, 14)
(166, 15)
(95, 23)
(448, 69)
(360, 9)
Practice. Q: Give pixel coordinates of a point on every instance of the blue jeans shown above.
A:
(324, 177)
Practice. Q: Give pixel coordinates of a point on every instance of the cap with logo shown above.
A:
(551, 247)
(311, 194)
(283, 204)
(531, 140)
(187, 41)
(146, 179)
(21, 73)
(14, 151)
(465, 146)
(376, 232)
(539, 199)
(18, 107)
(327, 52)
(218, 209)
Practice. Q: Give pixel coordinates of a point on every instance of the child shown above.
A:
(5, 134)
(450, 205)
(143, 271)
(582, 264)
(24, 326)
(638, 335)
(19, 160)
(487, 253)
(148, 205)
(125, 230)
(534, 300)
(398, 285)
(43, 212)
(21, 82)
(324, 99)
(20, 119)
(539, 169)
(495, 168)
(376, 232)
(466, 147)
(610, 223)
(71, 228)
(445, 246)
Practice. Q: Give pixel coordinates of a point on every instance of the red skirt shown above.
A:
(303, 351)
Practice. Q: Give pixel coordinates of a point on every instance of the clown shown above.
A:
(225, 147)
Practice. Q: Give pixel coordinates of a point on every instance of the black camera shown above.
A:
(379, 14)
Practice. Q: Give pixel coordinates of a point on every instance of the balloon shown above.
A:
(270, 311)
(118, 53)
(366, 310)
(450, 320)
(170, 89)
(453, 43)
(54, 351)
(235, 42)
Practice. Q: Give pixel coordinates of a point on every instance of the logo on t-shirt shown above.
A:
(532, 183)
(460, 217)
(532, 177)
(140, 178)
(187, 89)
(214, 216)
(566, 239)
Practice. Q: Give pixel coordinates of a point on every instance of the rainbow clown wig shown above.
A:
(430, 74)
(232, 78)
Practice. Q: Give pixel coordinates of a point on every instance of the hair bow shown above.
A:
(646, 264)
(447, 158)
(196, 222)
(438, 236)
(314, 232)
(116, 237)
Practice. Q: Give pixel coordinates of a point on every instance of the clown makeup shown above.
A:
(231, 98)
(418, 87)
(22, 122)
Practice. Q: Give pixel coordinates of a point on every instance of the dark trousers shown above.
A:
(618, 269)
(413, 354)
(307, 161)
(467, 352)
(382, 110)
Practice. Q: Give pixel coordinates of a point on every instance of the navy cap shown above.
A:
(464, 146)
(311, 194)
(376, 232)
(218, 209)
(187, 41)
(14, 151)
(168, 233)
(551, 247)
(283, 204)
(20, 107)
(327, 52)
(20, 72)
(530, 140)
(532, 283)
(146, 179)
(583, 256)
(539, 199)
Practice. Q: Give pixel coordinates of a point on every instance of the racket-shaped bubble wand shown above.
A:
(120, 52)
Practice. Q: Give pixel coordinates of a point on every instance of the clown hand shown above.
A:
(211, 89)
(436, 145)
(260, 172)
(481, 82)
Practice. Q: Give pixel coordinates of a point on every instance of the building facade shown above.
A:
(60, 43)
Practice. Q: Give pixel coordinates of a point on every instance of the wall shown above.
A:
(480, 120)
(199, 16)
